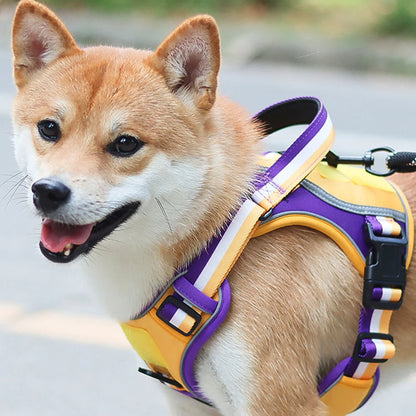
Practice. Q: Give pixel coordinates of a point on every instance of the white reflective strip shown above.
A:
(298, 161)
(302, 157)
(178, 317)
(224, 244)
(380, 348)
(375, 320)
(265, 192)
(386, 226)
(387, 294)
(362, 366)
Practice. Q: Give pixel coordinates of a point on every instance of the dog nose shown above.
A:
(49, 194)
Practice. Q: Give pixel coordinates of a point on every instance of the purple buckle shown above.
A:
(169, 307)
(193, 295)
(365, 350)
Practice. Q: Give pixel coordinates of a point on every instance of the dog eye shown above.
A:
(49, 130)
(124, 146)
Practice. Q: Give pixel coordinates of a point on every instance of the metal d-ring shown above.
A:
(369, 161)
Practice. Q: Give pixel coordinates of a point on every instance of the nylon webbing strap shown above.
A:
(302, 156)
(200, 281)
(207, 272)
(351, 383)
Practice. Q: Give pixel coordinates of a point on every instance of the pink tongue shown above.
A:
(55, 236)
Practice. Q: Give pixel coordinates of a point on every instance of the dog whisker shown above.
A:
(164, 213)
(10, 194)
(10, 177)
(167, 202)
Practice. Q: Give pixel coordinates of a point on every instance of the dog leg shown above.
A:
(298, 314)
(295, 400)
(181, 405)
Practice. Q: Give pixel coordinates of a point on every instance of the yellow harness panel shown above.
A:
(163, 348)
(159, 345)
(350, 185)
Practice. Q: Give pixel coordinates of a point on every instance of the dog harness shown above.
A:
(365, 215)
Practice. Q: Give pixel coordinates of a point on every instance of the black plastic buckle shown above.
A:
(369, 335)
(187, 309)
(266, 215)
(159, 376)
(385, 267)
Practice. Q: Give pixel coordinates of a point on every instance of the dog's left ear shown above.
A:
(38, 39)
(189, 60)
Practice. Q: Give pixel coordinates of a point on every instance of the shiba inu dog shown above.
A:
(136, 162)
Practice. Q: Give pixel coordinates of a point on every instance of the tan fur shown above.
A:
(26, 65)
(309, 293)
(300, 294)
(92, 79)
(205, 92)
(304, 290)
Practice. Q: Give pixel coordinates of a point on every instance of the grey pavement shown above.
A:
(60, 354)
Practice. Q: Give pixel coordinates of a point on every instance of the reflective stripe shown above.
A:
(302, 164)
(226, 242)
(354, 380)
(374, 341)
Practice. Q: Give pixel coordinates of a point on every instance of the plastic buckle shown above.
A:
(185, 308)
(385, 268)
(159, 376)
(357, 354)
(266, 215)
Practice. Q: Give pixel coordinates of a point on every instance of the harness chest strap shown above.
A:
(169, 334)
(351, 383)
(368, 219)
(164, 334)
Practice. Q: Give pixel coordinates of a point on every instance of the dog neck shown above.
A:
(132, 267)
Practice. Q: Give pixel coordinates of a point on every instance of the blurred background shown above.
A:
(354, 34)
(336, 17)
(59, 353)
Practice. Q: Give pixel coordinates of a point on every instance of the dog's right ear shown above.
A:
(38, 39)
(189, 60)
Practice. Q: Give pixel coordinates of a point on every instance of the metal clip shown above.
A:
(369, 157)
(367, 160)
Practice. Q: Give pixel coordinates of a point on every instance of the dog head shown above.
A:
(104, 132)
(108, 135)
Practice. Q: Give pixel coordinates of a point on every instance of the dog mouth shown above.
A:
(62, 243)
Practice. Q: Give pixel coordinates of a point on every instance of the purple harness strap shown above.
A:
(384, 284)
(308, 111)
(382, 291)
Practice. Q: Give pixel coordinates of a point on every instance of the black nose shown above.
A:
(49, 194)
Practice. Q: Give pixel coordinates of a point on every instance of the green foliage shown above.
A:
(397, 17)
(401, 19)
(167, 6)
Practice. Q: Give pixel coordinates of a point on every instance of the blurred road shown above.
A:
(60, 355)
